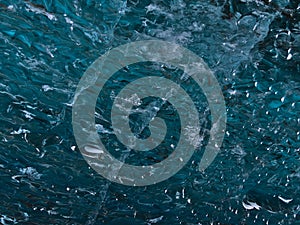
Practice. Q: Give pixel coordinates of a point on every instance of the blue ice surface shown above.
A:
(253, 48)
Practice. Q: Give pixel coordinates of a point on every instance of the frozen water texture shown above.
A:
(253, 48)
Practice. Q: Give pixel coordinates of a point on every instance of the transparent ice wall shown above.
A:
(253, 48)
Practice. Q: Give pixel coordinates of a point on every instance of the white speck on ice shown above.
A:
(155, 220)
(20, 131)
(42, 11)
(289, 57)
(47, 88)
(91, 149)
(285, 200)
(251, 205)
